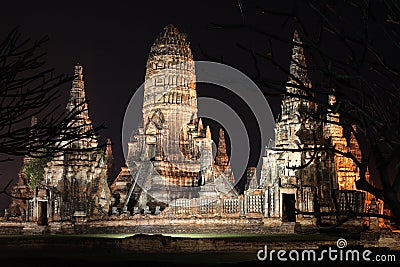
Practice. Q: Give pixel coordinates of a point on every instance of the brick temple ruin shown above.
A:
(172, 181)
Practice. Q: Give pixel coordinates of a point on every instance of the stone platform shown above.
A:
(149, 224)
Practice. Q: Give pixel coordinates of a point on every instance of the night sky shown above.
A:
(112, 41)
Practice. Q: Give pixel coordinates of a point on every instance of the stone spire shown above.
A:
(77, 105)
(298, 66)
(222, 157)
(222, 160)
(208, 133)
(109, 161)
(200, 126)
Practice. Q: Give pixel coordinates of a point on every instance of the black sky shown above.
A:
(112, 40)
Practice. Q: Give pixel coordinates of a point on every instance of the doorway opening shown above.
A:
(42, 220)
(289, 208)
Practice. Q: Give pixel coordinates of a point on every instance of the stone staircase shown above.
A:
(288, 227)
(142, 178)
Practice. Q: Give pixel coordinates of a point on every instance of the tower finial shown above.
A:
(208, 133)
(33, 121)
(296, 37)
(200, 126)
(77, 93)
(298, 66)
(78, 72)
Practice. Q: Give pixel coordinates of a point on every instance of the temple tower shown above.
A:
(288, 188)
(170, 91)
(164, 155)
(170, 157)
(78, 176)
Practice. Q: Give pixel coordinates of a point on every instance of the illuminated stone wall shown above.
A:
(346, 170)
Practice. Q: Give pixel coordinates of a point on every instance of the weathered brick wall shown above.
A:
(11, 228)
(179, 225)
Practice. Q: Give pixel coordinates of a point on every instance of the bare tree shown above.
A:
(352, 50)
(27, 89)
